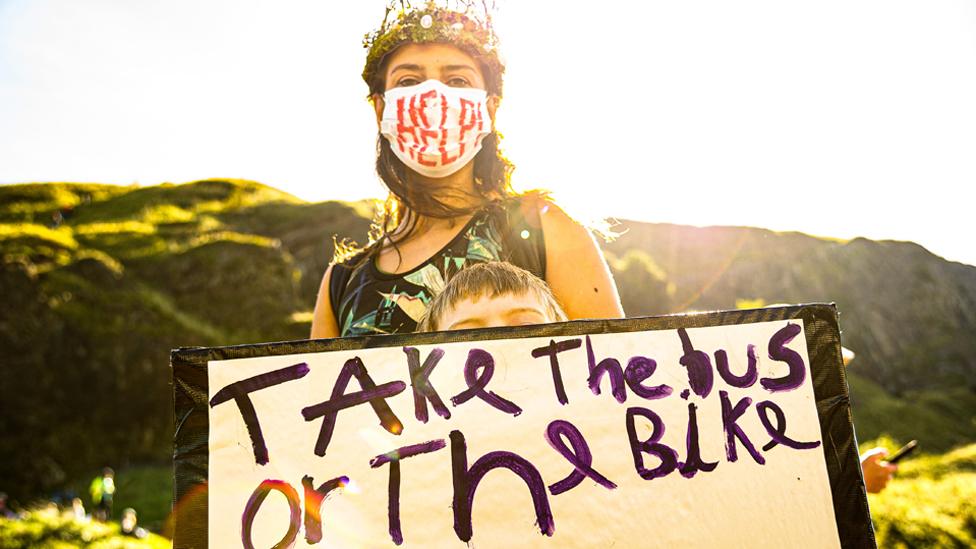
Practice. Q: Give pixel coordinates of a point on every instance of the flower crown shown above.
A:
(458, 25)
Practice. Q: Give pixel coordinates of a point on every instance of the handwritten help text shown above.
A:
(423, 127)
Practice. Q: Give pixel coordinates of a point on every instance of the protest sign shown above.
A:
(704, 430)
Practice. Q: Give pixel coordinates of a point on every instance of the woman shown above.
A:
(435, 82)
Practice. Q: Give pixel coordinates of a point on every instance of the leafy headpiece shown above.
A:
(459, 25)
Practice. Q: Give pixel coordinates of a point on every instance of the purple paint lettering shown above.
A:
(638, 369)
(420, 381)
(667, 455)
(408, 451)
(694, 463)
(551, 351)
(778, 433)
(778, 351)
(313, 505)
(254, 504)
(746, 379)
(609, 366)
(466, 483)
(393, 489)
(731, 414)
(482, 360)
(240, 392)
(698, 364)
(579, 456)
(375, 395)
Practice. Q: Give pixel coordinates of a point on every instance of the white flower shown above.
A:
(426, 21)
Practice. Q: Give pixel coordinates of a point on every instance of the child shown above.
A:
(491, 294)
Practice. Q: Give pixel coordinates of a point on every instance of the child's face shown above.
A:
(490, 312)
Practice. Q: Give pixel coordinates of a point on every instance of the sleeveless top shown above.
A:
(368, 301)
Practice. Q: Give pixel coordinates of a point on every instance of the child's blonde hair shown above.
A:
(492, 279)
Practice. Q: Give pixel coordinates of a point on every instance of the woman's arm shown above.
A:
(575, 268)
(323, 321)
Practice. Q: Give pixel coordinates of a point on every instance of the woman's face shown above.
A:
(412, 64)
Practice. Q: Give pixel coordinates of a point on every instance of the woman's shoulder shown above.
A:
(533, 198)
(559, 221)
(349, 256)
(524, 207)
(345, 262)
(539, 209)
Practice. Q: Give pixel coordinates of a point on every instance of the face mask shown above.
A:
(433, 128)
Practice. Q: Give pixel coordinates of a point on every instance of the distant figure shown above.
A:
(876, 472)
(102, 491)
(129, 527)
(5, 512)
(78, 510)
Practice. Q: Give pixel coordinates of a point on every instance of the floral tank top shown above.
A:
(368, 301)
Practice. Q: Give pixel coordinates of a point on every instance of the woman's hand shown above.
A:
(323, 321)
(575, 268)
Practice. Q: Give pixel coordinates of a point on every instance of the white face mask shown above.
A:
(433, 128)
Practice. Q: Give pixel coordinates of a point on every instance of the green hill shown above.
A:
(908, 314)
(931, 502)
(93, 305)
(100, 282)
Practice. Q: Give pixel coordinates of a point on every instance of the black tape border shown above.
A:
(823, 345)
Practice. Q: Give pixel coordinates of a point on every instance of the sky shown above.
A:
(838, 118)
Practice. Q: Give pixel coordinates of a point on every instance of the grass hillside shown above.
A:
(101, 281)
(930, 503)
(50, 529)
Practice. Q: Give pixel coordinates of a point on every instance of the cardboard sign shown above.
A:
(718, 429)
